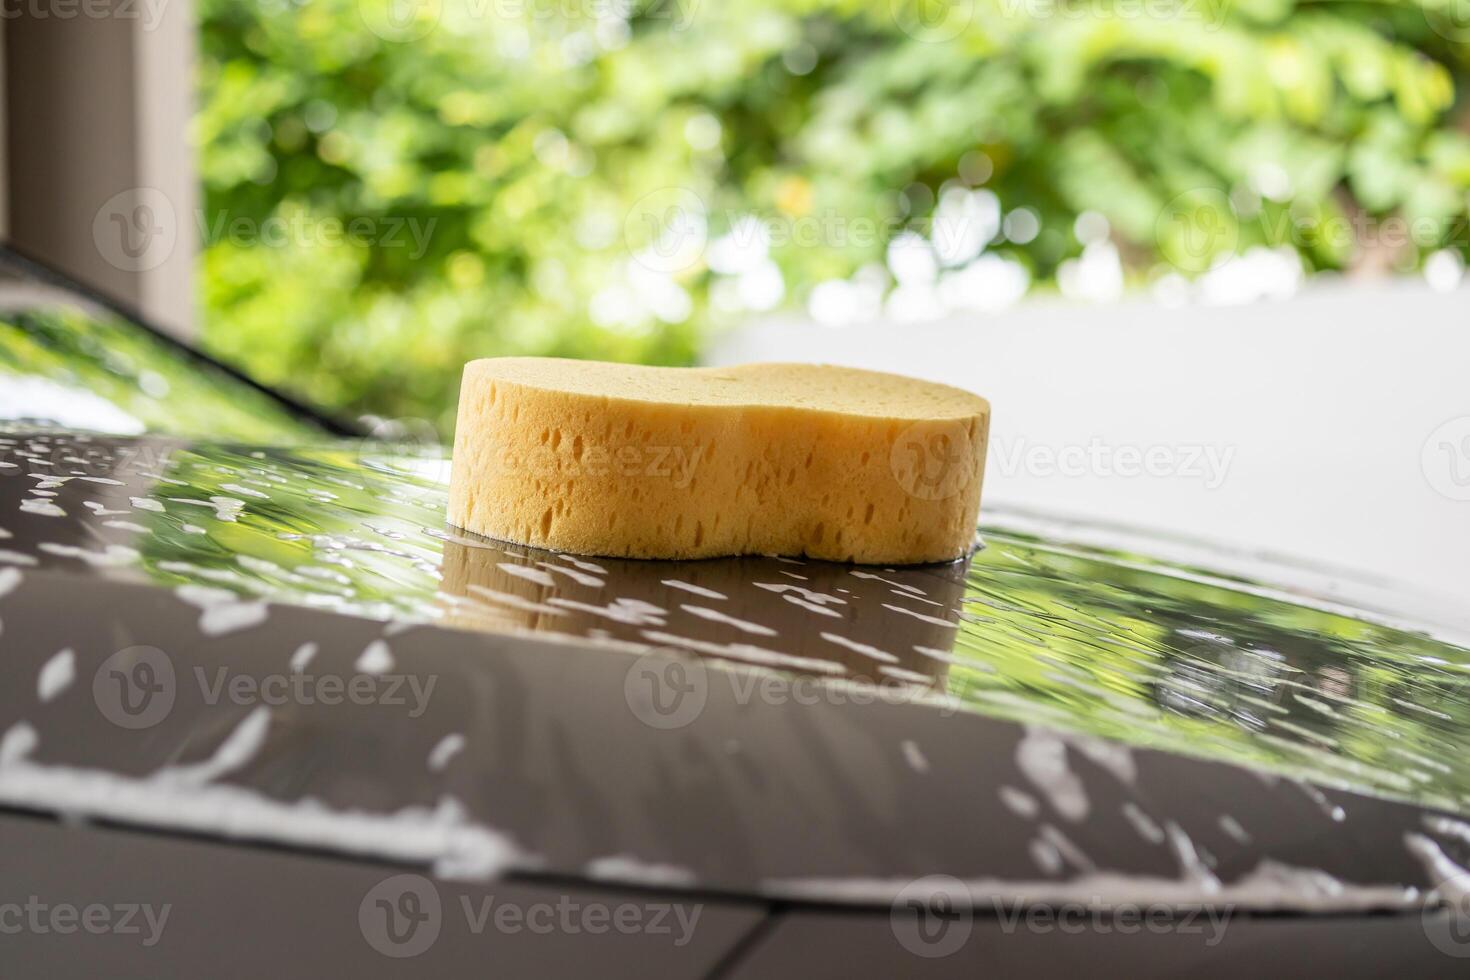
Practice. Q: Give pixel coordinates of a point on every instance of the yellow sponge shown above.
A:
(776, 459)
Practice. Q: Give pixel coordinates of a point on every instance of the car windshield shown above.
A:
(73, 363)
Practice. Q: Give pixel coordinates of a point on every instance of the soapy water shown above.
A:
(1074, 627)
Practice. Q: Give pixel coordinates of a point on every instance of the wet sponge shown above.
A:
(775, 459)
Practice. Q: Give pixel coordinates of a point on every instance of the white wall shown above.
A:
(1317, 412)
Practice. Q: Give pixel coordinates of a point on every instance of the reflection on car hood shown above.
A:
(346, 541)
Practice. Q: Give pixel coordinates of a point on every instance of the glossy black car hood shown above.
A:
(288, 646)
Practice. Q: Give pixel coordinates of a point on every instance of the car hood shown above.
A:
(288, 646)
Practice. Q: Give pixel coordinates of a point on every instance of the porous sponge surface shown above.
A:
(777, 459)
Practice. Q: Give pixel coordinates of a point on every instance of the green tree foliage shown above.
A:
(393, 187)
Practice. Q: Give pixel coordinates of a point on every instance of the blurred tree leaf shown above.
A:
(498, 159)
